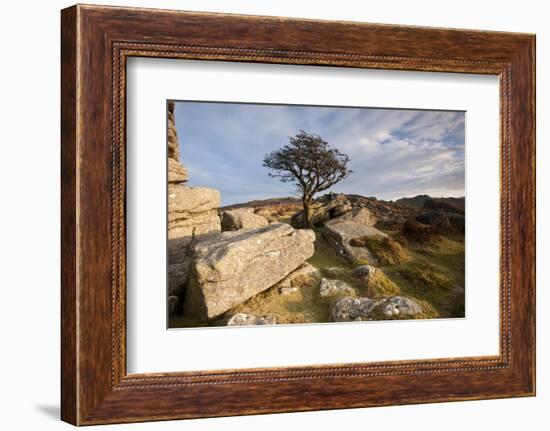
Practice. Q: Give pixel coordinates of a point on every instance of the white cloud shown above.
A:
(393, 152)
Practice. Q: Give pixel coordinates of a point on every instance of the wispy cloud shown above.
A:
(393, 153)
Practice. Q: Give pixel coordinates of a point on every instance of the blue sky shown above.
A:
(394, 153)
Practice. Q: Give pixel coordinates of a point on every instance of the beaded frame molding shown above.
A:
(95, 43)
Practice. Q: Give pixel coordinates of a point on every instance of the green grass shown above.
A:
(434, 275)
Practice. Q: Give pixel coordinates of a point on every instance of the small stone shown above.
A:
(401, 306)
(353, 309)
(244, 319)
(330, 287)
(364, 272)
(335, 271)
(288, 290)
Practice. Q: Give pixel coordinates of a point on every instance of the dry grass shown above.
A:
(302, 306)
(278, 212)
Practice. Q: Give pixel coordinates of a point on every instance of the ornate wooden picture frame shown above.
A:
(96, 42)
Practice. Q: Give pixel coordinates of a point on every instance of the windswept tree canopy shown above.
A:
(309, 162)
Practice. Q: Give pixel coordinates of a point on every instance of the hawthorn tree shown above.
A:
(309, 162)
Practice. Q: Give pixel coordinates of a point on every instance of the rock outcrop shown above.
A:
(388, 214)
(357, 309)
(321, 212)
(192, 216)
(241, 218)
(435, 217)
(177, 173)
(416, 231)
(193, 210)
(442, 222)
(232, 267)
(342, 231)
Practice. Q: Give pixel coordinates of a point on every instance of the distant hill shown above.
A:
(414, 202)
(264, 203)
(427, 202)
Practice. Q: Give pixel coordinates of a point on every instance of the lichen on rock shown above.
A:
(232, 267)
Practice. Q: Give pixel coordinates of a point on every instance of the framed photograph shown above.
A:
(263, 214)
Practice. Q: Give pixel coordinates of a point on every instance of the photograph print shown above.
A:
(296, 214)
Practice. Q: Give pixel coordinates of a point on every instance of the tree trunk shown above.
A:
(307, 213)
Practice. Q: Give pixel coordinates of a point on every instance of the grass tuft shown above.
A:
(387, 251)
(379, 285)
